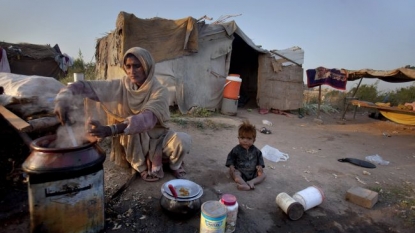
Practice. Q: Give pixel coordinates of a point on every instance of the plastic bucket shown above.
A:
(213, 217)
(309, 197)
(232, 86)
(229, 107)
(290, 206)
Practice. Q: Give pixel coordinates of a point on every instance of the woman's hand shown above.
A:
(62, 111)
(97, 130)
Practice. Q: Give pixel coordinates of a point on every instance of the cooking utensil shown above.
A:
(179, 209)
(184, 188)
(173, 191)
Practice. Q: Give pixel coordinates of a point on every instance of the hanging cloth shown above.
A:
(4, 62)
(333, 77)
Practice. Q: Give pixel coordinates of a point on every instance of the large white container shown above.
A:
(309, 197)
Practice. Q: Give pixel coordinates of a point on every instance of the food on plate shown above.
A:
(184, 191)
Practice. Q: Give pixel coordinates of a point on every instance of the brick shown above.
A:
(362, 197)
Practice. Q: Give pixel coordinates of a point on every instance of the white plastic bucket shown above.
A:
(309, 197)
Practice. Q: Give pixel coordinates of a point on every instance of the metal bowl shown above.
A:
(180, 207)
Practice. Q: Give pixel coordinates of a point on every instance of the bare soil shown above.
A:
(314, 147)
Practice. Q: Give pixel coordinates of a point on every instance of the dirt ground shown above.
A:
(314, 148)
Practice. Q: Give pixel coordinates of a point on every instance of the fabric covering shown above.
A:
(401, 118)
(332, 77)
(394, 76)
(395, 114)
(28, 95)
(177, 37)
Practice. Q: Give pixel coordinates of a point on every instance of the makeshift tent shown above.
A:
(399, 75)
(32, 59)
(194, 58)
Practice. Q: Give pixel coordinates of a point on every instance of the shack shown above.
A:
(194, 58)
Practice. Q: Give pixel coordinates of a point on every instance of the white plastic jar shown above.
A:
(231, 204)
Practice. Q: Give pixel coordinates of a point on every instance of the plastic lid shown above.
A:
(234, 78)
(228, 199)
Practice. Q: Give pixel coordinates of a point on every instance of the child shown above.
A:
(245, 161)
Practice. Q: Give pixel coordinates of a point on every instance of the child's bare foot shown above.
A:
(251, 184)
(243, 187)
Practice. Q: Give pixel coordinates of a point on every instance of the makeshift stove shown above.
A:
(66, 187)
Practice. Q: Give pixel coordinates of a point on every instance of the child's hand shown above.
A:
(232, 168)
(260, 170)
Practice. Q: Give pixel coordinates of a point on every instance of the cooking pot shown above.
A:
(65, 186)
(181, 206)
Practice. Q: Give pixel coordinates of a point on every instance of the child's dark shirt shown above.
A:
(245, 161)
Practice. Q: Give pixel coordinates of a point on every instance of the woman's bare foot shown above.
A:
(243, 187)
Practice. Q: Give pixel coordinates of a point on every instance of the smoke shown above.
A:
(75, 128)
(64, 136)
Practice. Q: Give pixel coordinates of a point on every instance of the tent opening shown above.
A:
(244, 61)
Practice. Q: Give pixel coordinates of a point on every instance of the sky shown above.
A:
(349, 34)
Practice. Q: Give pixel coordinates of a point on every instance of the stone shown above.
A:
(362, 197)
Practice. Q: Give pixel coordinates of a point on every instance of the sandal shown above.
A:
(179, 173)
(265, 130)
(149, 178)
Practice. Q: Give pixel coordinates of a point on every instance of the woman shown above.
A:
(137, 111)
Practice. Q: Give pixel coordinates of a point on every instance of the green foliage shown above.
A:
(367, 93)
(200, 112)
(311, 109)
(399, 96)
(335, 100)
(402, 96)
(401, 197)
(80, 66)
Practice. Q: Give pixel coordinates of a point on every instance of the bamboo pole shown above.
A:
(319, 102)
(348, 103)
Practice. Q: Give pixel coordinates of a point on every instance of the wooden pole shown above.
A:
(347, 102)
(319, 102)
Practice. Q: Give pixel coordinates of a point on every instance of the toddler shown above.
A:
(245, 160)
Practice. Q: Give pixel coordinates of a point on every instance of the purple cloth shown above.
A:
(332, 77)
